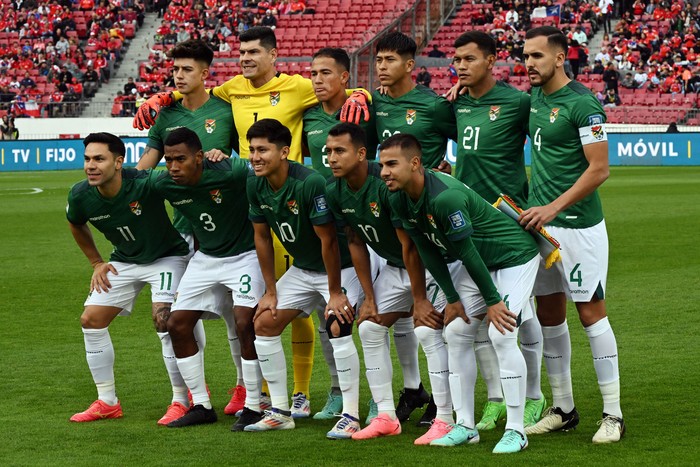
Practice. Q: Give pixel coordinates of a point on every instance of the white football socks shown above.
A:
(347, 361)
(605, 362)
(378, 365)
(438, 371)
(176, 380)
(192, 371)
(327, 350)
(513, 374)
(531, 346)
(274, 369)
(488, 363)
(406, 344)
(99, 352)
(252, 379)
(462, 362)
(235, 346)
(557, 358)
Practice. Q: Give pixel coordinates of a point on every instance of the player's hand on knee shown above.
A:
(215, 155)
(339, 305)
(268, 302)
(355, 108)
(425, 314)
(501, 317)
(455, 311)
(147, 112)
(100, 282)
(368, 311)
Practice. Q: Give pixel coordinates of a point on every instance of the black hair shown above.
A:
(264, 34)
(272, 130)
(339, 55)
(186, 136)
(357, 134)
(555, 38)
(114, 143)
(397, 42)
(405, 141)
(195, 49)
(484, 42)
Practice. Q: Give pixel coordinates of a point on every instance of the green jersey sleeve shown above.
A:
(315, 189)
(255, 213)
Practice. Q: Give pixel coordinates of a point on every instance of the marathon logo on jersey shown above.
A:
(374, 208)
(494, 112)
(457, 220)
(135, 208)
(553, 114)
(431, 220)
(293, 206)
(410, 116)
(274, 98)
(215, 196)
(321, 203)
(598, 132)
(210, 125)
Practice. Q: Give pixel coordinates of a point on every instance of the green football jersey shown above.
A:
(560, 125)
(421, 113)
(367, 211)
(317, 124)
(217, 207)
(134, 221)
(292, 212)
(490, 143)
(457, 220)
(213, 123)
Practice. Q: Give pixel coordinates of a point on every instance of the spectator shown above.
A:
(424, 77)
(62, 46)
(672, 128)
(8, 129)
(598, 68)
(519, 69)
(183, 35)
(91, 81)
(628, 81)
(574, 57)
(269, 20)
(579, 36)
(436, 52)
(129, 86)
(297, 7)
(611, 77)
(27, 81)
(640, 78)
(64, 76)
(611, 99)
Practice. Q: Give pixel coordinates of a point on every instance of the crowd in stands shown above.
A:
(53, 53)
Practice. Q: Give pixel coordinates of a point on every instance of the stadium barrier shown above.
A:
(637, 149)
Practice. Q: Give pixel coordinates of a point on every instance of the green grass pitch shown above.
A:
(653, 219)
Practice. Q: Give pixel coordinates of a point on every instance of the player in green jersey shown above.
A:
(492, 119)
(329, 75)
(407, 107)
(569, 163)
(359, 200)
(214, 202)
(445, 217)
(211, 118)
(147, 249)
(290, 199)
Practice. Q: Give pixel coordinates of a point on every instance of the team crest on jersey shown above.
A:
(598, 132)
(494, 112)
(374, 208)
(293, 206)
(553, 114)
(274, 98)
(410, 116)
(210, 125)
(431, 220)
(135, 208)
(215, 195)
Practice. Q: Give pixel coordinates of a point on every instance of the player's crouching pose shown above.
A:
(147, 250)
(444, 216)
(290, 199)
(214, 201)
(359, 200)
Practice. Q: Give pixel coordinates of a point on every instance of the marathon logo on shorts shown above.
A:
(457, 220)
(135, 207)
(431, 220)
(321, 203)
(374, 208)
(494, 112)
(410, 116)
(274, 98)
(553, 114)
(215, 196)
(293, 206)
(210, 125)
